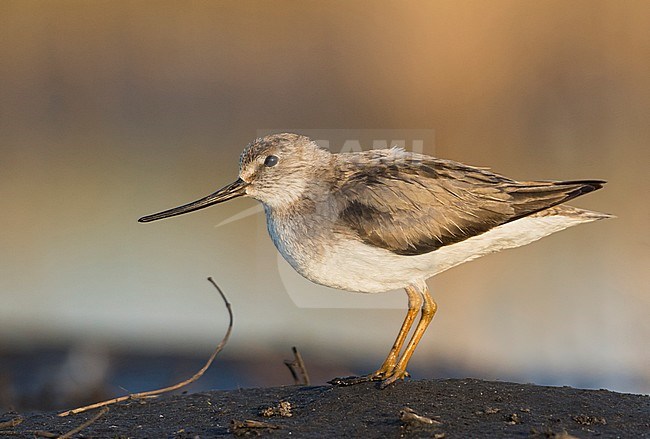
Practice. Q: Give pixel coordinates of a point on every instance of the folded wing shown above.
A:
(415, 204)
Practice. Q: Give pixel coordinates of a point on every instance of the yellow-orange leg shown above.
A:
(428, 311)
(392, 369)
(415, 303)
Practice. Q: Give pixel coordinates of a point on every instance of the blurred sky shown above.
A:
(110, 110)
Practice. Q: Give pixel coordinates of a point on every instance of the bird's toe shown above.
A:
(391, 379)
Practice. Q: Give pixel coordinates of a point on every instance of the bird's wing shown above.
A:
(420, 204)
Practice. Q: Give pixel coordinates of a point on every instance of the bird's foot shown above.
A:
(352, 380)
(386, 378)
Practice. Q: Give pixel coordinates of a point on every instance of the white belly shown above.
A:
(354, 266)
(330, 259)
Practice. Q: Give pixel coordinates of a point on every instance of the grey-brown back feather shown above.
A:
(425, 203)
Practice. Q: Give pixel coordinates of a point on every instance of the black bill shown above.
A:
(233, 190)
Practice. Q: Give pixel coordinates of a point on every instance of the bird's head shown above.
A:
(276, 170)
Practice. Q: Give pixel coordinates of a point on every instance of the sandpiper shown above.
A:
(380, 220)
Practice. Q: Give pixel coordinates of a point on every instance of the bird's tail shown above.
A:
(534, 197)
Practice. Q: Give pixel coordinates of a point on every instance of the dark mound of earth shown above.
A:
(432, 408)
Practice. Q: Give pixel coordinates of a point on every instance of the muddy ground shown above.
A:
(449, 409)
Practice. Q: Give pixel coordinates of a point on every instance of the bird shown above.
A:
(386, 219)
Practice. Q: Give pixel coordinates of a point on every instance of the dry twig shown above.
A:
(12, 422)
(76, 430)
(250, 426)
(43, 433)
(298, 369)
(153, 393)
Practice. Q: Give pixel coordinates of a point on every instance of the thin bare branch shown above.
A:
(301, 366)
(153, 393)
(76, 430)
(297, 368)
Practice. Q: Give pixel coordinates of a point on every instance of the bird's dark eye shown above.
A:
(271, 160)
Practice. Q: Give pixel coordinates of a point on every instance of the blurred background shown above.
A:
(110, 110)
